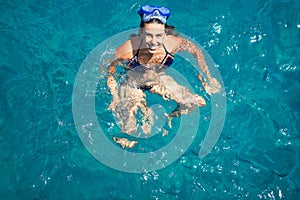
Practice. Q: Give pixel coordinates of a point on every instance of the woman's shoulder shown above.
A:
(127, 49)
(172, 42)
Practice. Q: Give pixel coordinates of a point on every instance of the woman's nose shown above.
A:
(154, 40)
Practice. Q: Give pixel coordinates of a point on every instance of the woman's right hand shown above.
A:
(112, 83)
(113, 87)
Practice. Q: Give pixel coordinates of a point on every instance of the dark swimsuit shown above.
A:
(166, 62)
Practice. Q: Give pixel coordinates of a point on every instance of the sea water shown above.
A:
(255, 45)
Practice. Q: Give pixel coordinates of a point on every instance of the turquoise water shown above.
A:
(256, 47)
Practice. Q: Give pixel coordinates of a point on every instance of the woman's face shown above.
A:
(154, 35)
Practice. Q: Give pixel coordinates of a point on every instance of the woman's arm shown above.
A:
(112, 84)
(122, 53)
(186, 45)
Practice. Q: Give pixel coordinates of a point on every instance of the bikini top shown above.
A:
(166, 62)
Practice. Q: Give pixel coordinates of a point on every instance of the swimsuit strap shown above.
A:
(137, 52)
(167, 52)
(134, 62)
(168, 59)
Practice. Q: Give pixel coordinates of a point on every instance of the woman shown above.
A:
(146, 56)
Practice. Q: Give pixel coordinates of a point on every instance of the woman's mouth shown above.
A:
(153, 47)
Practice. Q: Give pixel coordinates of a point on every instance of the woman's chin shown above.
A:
(152, 51)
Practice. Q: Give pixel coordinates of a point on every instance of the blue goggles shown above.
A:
(150, 12)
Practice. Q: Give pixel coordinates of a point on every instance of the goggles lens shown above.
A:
(150, 9)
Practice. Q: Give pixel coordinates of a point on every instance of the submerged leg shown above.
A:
(132, 99)
(147, 121)
(168, 88)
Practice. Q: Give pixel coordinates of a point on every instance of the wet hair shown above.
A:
(170, 30)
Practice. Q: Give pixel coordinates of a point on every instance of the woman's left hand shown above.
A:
(213, 87)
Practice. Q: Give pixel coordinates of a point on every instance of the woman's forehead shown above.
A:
(154, 28)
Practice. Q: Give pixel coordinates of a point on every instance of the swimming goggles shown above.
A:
(154, 12)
